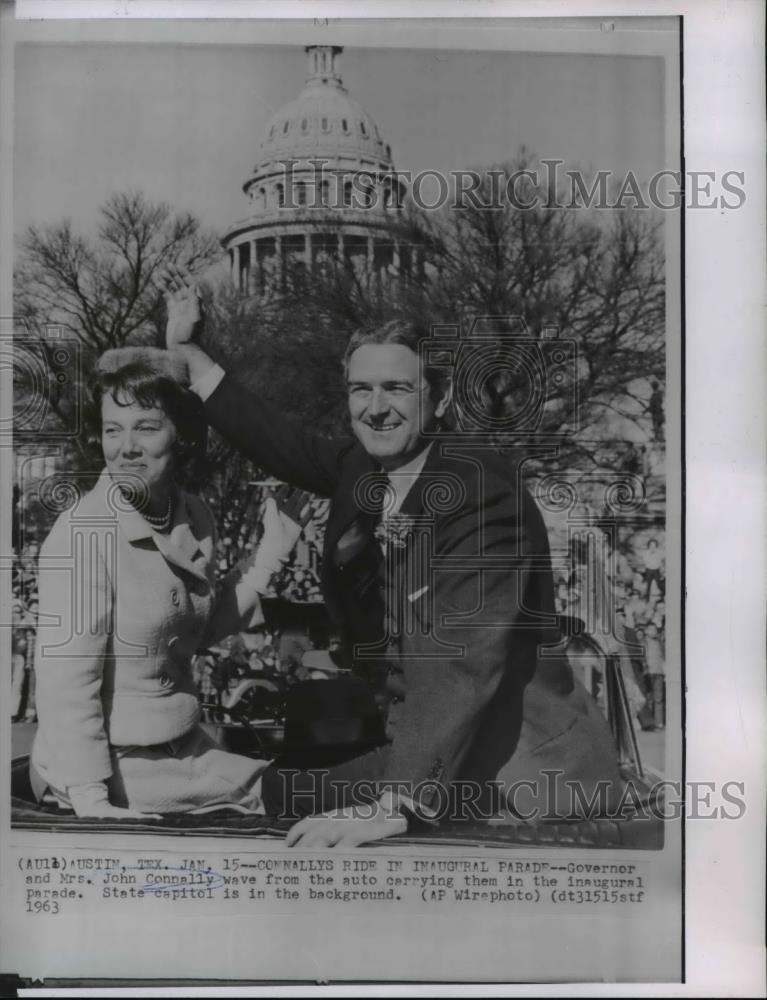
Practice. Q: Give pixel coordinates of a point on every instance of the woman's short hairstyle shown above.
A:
(149, 382)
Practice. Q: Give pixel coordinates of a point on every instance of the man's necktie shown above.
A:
(359, 561)
(370, 501)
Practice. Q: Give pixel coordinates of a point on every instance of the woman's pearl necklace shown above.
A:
(161, 523)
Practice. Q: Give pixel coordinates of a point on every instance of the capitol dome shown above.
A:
(323, 186)
(324, 120)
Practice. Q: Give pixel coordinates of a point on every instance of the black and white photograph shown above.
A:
(344, 469)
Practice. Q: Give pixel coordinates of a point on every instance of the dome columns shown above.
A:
(257, 264)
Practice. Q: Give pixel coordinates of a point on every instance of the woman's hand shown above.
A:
(185, 310)
(285, 515)
(92, 801)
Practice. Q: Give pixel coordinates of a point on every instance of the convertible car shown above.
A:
(326, 718)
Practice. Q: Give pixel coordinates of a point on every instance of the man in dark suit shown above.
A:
(436, 570)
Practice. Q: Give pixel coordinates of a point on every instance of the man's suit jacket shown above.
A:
(460, 612)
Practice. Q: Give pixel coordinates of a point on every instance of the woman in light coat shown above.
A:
(126, 597)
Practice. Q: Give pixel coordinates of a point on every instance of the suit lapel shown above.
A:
(414, 502)
(345, 508)
(347, 518)
(181, 547)
(406, 565)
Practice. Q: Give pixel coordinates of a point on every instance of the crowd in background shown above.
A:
(300, 582)
(274, 659)
(287, 654)
(636, 581)
(24, 625)
(635, 571)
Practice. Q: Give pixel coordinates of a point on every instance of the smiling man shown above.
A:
(452, 602)
(392, 402)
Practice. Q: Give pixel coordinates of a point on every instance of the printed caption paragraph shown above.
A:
(54, 884)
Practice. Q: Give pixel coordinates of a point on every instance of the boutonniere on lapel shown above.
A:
(395, 530)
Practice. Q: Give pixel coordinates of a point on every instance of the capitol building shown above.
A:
(322, 193)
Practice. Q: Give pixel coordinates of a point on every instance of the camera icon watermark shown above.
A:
(80, 557)
(47, 384)
(505, 380)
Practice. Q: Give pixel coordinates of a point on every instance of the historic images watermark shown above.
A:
(544, 799)
(313, 184)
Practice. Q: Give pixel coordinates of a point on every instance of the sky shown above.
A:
(182, 123)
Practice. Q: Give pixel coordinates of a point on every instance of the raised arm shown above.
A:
(239, 605)
(275, 442)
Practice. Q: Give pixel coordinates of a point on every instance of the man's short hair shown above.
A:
(408, 334)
